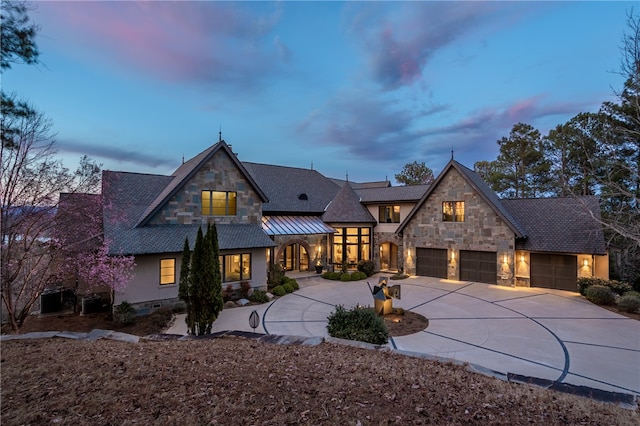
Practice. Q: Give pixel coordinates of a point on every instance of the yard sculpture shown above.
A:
(382, 296)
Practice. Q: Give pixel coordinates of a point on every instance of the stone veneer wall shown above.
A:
(219, 174)
(380, 238)
(482, 229)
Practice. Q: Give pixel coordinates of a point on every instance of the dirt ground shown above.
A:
(240, 381)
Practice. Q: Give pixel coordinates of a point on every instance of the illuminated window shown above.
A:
(351, 245)
(235, 267)
(219, 203)
(389, 214)
(453, 211)
(167, 271)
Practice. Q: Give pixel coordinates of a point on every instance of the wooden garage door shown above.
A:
(478, 266)
(554, 271)
(431, 262)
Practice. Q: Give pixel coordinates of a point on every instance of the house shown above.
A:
(456, 228)
(461, 230)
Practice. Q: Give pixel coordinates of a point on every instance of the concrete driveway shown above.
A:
(537, 335)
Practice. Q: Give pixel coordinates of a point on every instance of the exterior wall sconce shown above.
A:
(408, 252)
(453, 255)
(585, 263)
(522, 257)
(505, 259)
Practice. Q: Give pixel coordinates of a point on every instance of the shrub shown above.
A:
(618, 287)
(179, 308)
(288, 287)
(275, 276)
(124, 314)
(294, 284)
(278, 291)
(327, 275)
(259, 296)
(358, 275)
(335, 276)
(361, 324)
(345, 276)
(245, 288)
(161, 317)
(367, 267)
(600, 295)
(629, 302)
(632, 293)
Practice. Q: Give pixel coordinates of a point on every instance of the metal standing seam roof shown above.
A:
(295, 225)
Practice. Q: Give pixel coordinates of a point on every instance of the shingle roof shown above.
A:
(170, 238)
(362, 185)
(291, 189)
(346, 208)
(562, 225)
(187, 170)
(481, 187)
(409, 193)
(127, 195)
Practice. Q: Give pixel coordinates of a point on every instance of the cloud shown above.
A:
(400, 40)
(120, 155)
(200, 42)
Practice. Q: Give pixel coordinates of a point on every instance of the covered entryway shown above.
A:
(294, 257)
(431, 262)
(555, 271)
(478, 266)
(388, 257)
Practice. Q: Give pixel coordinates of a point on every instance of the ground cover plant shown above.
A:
(240, 381)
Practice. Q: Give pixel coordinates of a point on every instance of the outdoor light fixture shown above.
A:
(453, 255)
(522, 257)
(505, 259)
(585, 263)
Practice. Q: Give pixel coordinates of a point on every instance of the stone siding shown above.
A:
(482, 229)
(380, 238)
(219, 174)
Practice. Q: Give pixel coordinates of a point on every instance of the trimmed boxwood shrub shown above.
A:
(292, 282)
(288, 287)
(278, 291)
(345, 276)
(358, 275)
(629, 302)
(600, 295)
(361, 324)
(367, 267)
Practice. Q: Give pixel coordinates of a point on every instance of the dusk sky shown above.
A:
(351, 87)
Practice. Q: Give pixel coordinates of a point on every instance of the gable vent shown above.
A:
(303, 197)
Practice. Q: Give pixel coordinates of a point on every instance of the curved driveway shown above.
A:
(549, 336)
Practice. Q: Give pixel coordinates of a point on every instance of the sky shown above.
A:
(352, 89)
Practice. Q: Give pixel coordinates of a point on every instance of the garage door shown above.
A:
(478, 266)
(431, 262)
(554, 271)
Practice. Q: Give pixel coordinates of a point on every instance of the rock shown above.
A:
(243, 302)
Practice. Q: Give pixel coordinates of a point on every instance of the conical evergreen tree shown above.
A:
(195, 285)
(184, 284)
(218, 302)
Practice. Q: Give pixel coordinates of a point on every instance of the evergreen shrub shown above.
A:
(259, 296)
(367, 267)
(600, 295)
(278, 291)
(629, 302)
(361, 324)
(124, 314)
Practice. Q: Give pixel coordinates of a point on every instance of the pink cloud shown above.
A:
(197, 41)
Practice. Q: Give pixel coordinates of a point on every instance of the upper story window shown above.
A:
(167, 271)
(219, 203)
(453, 211)
(389, 214)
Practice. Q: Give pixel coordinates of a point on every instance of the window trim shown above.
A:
(212, 208)
(454, 215)
(161, 275)
(242, 275)
(382, 213)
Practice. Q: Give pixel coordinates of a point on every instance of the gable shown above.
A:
(474, 185)
(216, 168)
